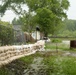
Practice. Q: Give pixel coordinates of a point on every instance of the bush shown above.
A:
(56, 41)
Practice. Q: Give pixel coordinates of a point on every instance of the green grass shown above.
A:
(6, 71)
(56, 63)
(27, 59)
(56, 40)
(69, 66)
(59, 46)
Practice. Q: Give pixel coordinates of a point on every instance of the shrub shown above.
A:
(56, 41)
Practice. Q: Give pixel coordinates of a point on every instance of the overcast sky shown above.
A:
(9, 15)
(72, 10)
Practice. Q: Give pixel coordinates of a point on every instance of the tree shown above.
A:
(14, 5)
(45, 19)
(70, 24)
(55, 8)
(6, 33)
(68, 29)
(27, 21)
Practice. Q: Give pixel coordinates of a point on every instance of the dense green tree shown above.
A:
(70, 24)
(69, 28)
(6, 33)
(45, 20)
(54, 9)
(56, 15)
(57, 6)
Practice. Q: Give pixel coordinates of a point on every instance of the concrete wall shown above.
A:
(10, 53)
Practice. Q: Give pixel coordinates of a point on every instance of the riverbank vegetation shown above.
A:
(50, 17)
(51, 63)
(58, 44)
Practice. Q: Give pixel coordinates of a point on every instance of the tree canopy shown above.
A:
(68, 29)
(14, 5)
(45, 19)
(48, 13)
(28, 22)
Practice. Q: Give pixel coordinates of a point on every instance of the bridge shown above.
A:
(11, 53)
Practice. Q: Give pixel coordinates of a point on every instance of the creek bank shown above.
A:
(34, 64)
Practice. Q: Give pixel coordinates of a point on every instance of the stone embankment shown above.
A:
(10, 53)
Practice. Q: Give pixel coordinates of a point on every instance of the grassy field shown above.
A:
(57, 43)
(58, 46)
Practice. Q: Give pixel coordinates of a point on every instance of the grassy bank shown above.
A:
(57, 64)
(58, 46)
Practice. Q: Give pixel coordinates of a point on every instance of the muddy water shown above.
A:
(36, 68)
